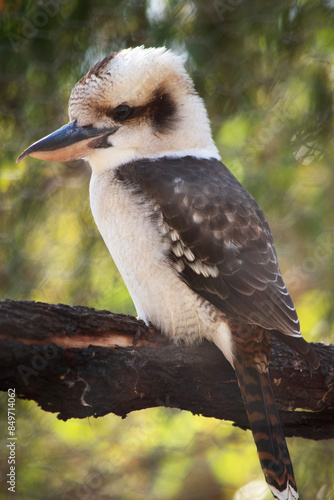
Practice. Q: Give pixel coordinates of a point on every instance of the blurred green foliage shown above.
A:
(266, 72)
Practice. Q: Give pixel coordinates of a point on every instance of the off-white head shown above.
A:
(133, 104)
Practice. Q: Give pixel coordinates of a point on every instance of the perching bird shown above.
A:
(193, 247)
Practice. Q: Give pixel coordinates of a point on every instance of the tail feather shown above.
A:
(264, 421)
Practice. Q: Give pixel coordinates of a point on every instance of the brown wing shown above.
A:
(220, 240)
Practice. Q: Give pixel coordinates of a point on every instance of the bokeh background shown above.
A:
(266, 72)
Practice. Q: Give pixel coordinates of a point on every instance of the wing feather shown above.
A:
(221, 236)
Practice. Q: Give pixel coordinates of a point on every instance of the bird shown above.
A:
(190, 242)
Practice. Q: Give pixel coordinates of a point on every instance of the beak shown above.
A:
(69, 142)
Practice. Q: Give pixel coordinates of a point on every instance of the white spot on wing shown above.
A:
(188, 254)
(204, 269)
(178, 188)
(198, 218)
(218, 235)
(178, 249)
(174, 235)
(179, 265)
(230, 217)
(232, 246)
(186, 201)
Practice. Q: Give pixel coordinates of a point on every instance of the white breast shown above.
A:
(139, 249)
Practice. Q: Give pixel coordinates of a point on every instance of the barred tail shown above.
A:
(267, 431)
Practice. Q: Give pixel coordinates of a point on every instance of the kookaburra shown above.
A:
(193, 247)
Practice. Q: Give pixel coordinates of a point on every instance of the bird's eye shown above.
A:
(121, 112)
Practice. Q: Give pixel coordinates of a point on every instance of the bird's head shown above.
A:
(133, 104)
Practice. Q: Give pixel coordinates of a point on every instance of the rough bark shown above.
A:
(80, 362)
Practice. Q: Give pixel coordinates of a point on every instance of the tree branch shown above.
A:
(80, 362)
